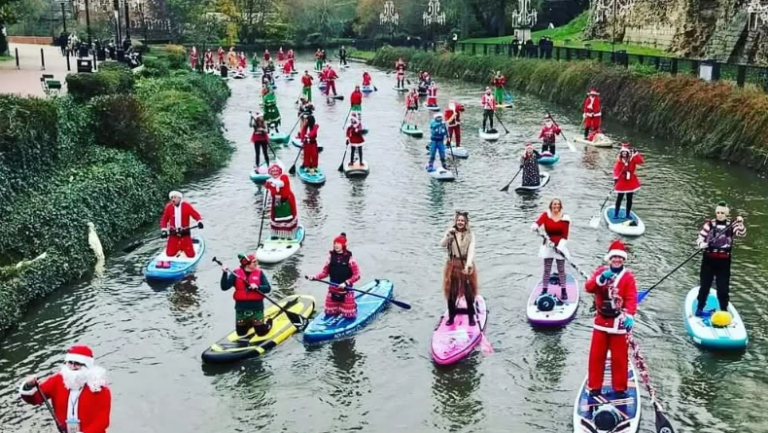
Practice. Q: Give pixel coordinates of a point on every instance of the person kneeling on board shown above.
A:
(343, 271)
(548, 135)
(174, 225)
(556, 225)
(615, 293)
(438, 132)
(459, 273)
(250, 284)
(716, 239)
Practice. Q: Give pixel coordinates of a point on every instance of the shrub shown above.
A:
(176, 56)
(111, 79)
(123, 124)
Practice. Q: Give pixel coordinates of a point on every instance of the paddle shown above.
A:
(644, 293)
(298, 321)
(508, 98)
(506, 131)
(595, 221)
(506, 188)
(566, 257)
(292, 170)
(484, 343)
(662, 423)
(263, 211)
(400, 304)
(453, 158)
(137, 244)
(404, 117)
(344, 125)
(50, 409)
(341, 166)
(570, 146)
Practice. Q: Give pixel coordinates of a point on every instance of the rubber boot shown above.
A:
(563, 294)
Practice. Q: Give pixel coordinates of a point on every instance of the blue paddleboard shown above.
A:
(179, 266)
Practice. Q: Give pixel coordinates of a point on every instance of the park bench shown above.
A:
(50, 85)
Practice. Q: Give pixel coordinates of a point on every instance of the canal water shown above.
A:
(382, 379)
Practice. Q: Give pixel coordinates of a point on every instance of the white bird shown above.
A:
(98, 251)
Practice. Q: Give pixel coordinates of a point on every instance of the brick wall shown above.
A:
(36, 40)
(657, 36)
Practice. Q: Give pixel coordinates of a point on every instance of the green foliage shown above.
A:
(112, 78)
(713, 119)
(176, 56)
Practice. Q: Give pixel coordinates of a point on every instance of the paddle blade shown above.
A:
(292, 170)
(662, 423)
(570, 146)
(642, 295)
(594, 222)
(485, 346)
(400, 304)
(505, 189)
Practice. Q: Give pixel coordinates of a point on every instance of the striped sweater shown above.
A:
(717, 245)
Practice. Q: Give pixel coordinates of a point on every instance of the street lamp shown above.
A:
(63, 16)
(613, 9)
(389, 16)
(525, 18)
(433, 16)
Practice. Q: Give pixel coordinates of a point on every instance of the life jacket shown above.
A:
(611, 308)
(437, 131)
(721, 238)
(339, 270)
(243, 292)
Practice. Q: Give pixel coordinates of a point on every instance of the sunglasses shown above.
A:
(74, 364)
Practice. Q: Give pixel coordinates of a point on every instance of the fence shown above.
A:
(740, 73)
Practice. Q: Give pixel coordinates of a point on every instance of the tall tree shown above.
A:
(7, 16)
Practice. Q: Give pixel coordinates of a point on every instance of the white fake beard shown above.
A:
(74, 379)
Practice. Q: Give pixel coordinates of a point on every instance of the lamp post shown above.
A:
(127, 21)
(433, 16)
(613, 9)
(389, 16)
(63, 16)
(525, 18)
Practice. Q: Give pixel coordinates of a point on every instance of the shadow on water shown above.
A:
(453, 390)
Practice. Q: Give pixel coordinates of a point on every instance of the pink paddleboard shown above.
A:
(451, 344)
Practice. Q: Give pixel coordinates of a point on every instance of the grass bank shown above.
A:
(715, 120)
(107, 153)
(361, 54)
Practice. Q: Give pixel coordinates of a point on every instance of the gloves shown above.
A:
(607, 274)
(534, 227)
(164, 233)
(629, 322)
(199, 224)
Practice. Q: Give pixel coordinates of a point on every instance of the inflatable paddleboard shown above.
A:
(451, 344)
(629, 409)
(324, 328)
(366, 89)
(178, 266)
(491, 135)
(400, 89)
(604, 143)
(278, 137)
(277, 250)
(440, 173)
(313, 179)
(708, 336)
(357, 169)
(505, 106)
(458, 152)
(633, 226)
(412, 130)
(260, 175)
(433, 107)
(551, 309)
(547, 158)
(233, 348)
(544, 180)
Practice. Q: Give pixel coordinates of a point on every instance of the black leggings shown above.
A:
(718, 271)
(548, 147)
(619, 199)
(261, 145)
(352, 154)
(487, 115)
(453, 310)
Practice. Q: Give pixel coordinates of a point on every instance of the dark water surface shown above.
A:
(382, 379)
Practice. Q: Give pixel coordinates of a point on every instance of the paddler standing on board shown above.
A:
(400, 73)
(548, 135)
(306, 82)
(250, 284)
(716, 239)
(529, 163)
(489, 108)
(366, 79)
(556, 225)
(438, 132)
(343, 271)
(318, 60)
(453, 121)
(356, 103)
(283, 213)
(498, 82)
(355, 139)
(592, 114)
(615, 293)
(175, 225)
(432, 94)
(625, 177)
(308, 137)
(208, 60)
(412, 106)
(459, 273)
(330, 80)
(271, 112)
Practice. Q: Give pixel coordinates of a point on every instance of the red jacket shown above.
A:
(242, 288)
(309, 136)
(288, 66)
(400, 67)
(355, 134)
(366, 79)
(499, 82)
(281, 188)
(306, 80)
(592, 113)
(624, 174)
(488, 102)
(331, 75)
(280, 56)
(549, 133)
(93, 407)
(168, 219)
(556, 230)
(356, 98)
(453, 118)
(266, 56)
(625, 301)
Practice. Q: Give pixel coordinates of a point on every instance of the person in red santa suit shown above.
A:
(355, 139)
(412, 106)
(548, 135)
(330, 80)
(290, 54)
(556, 225)
(283, 214)
(220, 53)
(591, 112)
(432, 94)
(625, 178)
(175, 225)
(356, 102)
(193, 58)
(78, 393)
(615, 293)
(308, 138)
(288, 67)
(366, 79)
(453, 121)
(266, 57)
(280, 55)
(208, 60)
(400, 70)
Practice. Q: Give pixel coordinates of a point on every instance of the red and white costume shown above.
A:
(91, 403)
(283, 225)
(366, 79)
(614, 297)
(591, 110)
(208, 60)
(549, 133)
(220, 53)
(193, 57)
(266, 56)
(309, 144)
(624, 171)
(288, 67)
(178, 217)
(290, 55)
(356, 98)
(432, 95)
(280, 55)
(355, 133)
(488, 102)
(499, 81)
(453, 121)
(341, 268)
(557, 232)
(306, 80)
(330, 79)
(242, 63)
(400, 69)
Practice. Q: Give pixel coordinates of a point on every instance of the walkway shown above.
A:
(26, 80)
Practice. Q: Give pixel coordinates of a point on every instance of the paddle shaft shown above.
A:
(453, 158)
(400, 304)
(506, 188)
(500, 122)
(568, 142)
(50, 409)
(573, 265)
(344, 125)
(137, 244)
(344, 157)
(661, 420)
(292, 170)
(294, 127)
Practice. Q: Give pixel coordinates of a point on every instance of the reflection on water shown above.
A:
(453, 391)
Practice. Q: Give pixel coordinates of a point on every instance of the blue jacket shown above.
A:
(438, 130)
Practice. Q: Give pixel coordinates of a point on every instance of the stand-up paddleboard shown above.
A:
(318, 178)
(400, 89)
(547, 158)
(163, 267)
(277, 250)
(551, 309)
(411, 130)
(366, 89)
(278, 137)
(440, 173)
(603, 143)
(591, 415)
(238, 75)
(704, 333)
(288, 77)
(505, 106)
(324, 328)
(234, 348)
(294, 72)
(358, 169)
(543, 181)
(451, 344)
(337, 97)
(458, 152)
(433, 107)
(632, 226)
(260, 175)
(490, 135)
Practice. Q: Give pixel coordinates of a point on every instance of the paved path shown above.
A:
(26, 80)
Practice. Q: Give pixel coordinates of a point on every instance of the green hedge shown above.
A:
(712, 119)
(112, 78)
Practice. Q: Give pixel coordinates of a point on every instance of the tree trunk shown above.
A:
(502, 17)
(3, 41)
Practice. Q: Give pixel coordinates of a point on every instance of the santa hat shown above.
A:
(547, 117)
(247, 260)
(438, 116)
(275, 170)
(341, 239)
(353, 120)
(452, 106)
(593, 92)
(624, 147)
(616, 249)
(487, 89)
(528, 145)
(173, 194)
(81, 354)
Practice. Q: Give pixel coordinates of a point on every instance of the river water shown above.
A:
(382, 379)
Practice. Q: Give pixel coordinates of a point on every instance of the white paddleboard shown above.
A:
(704, 334)
(544, 180)
(604, 143)
(440, 173)
(489, 136)
(357, 169)
(633, 226)
(277, 250)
